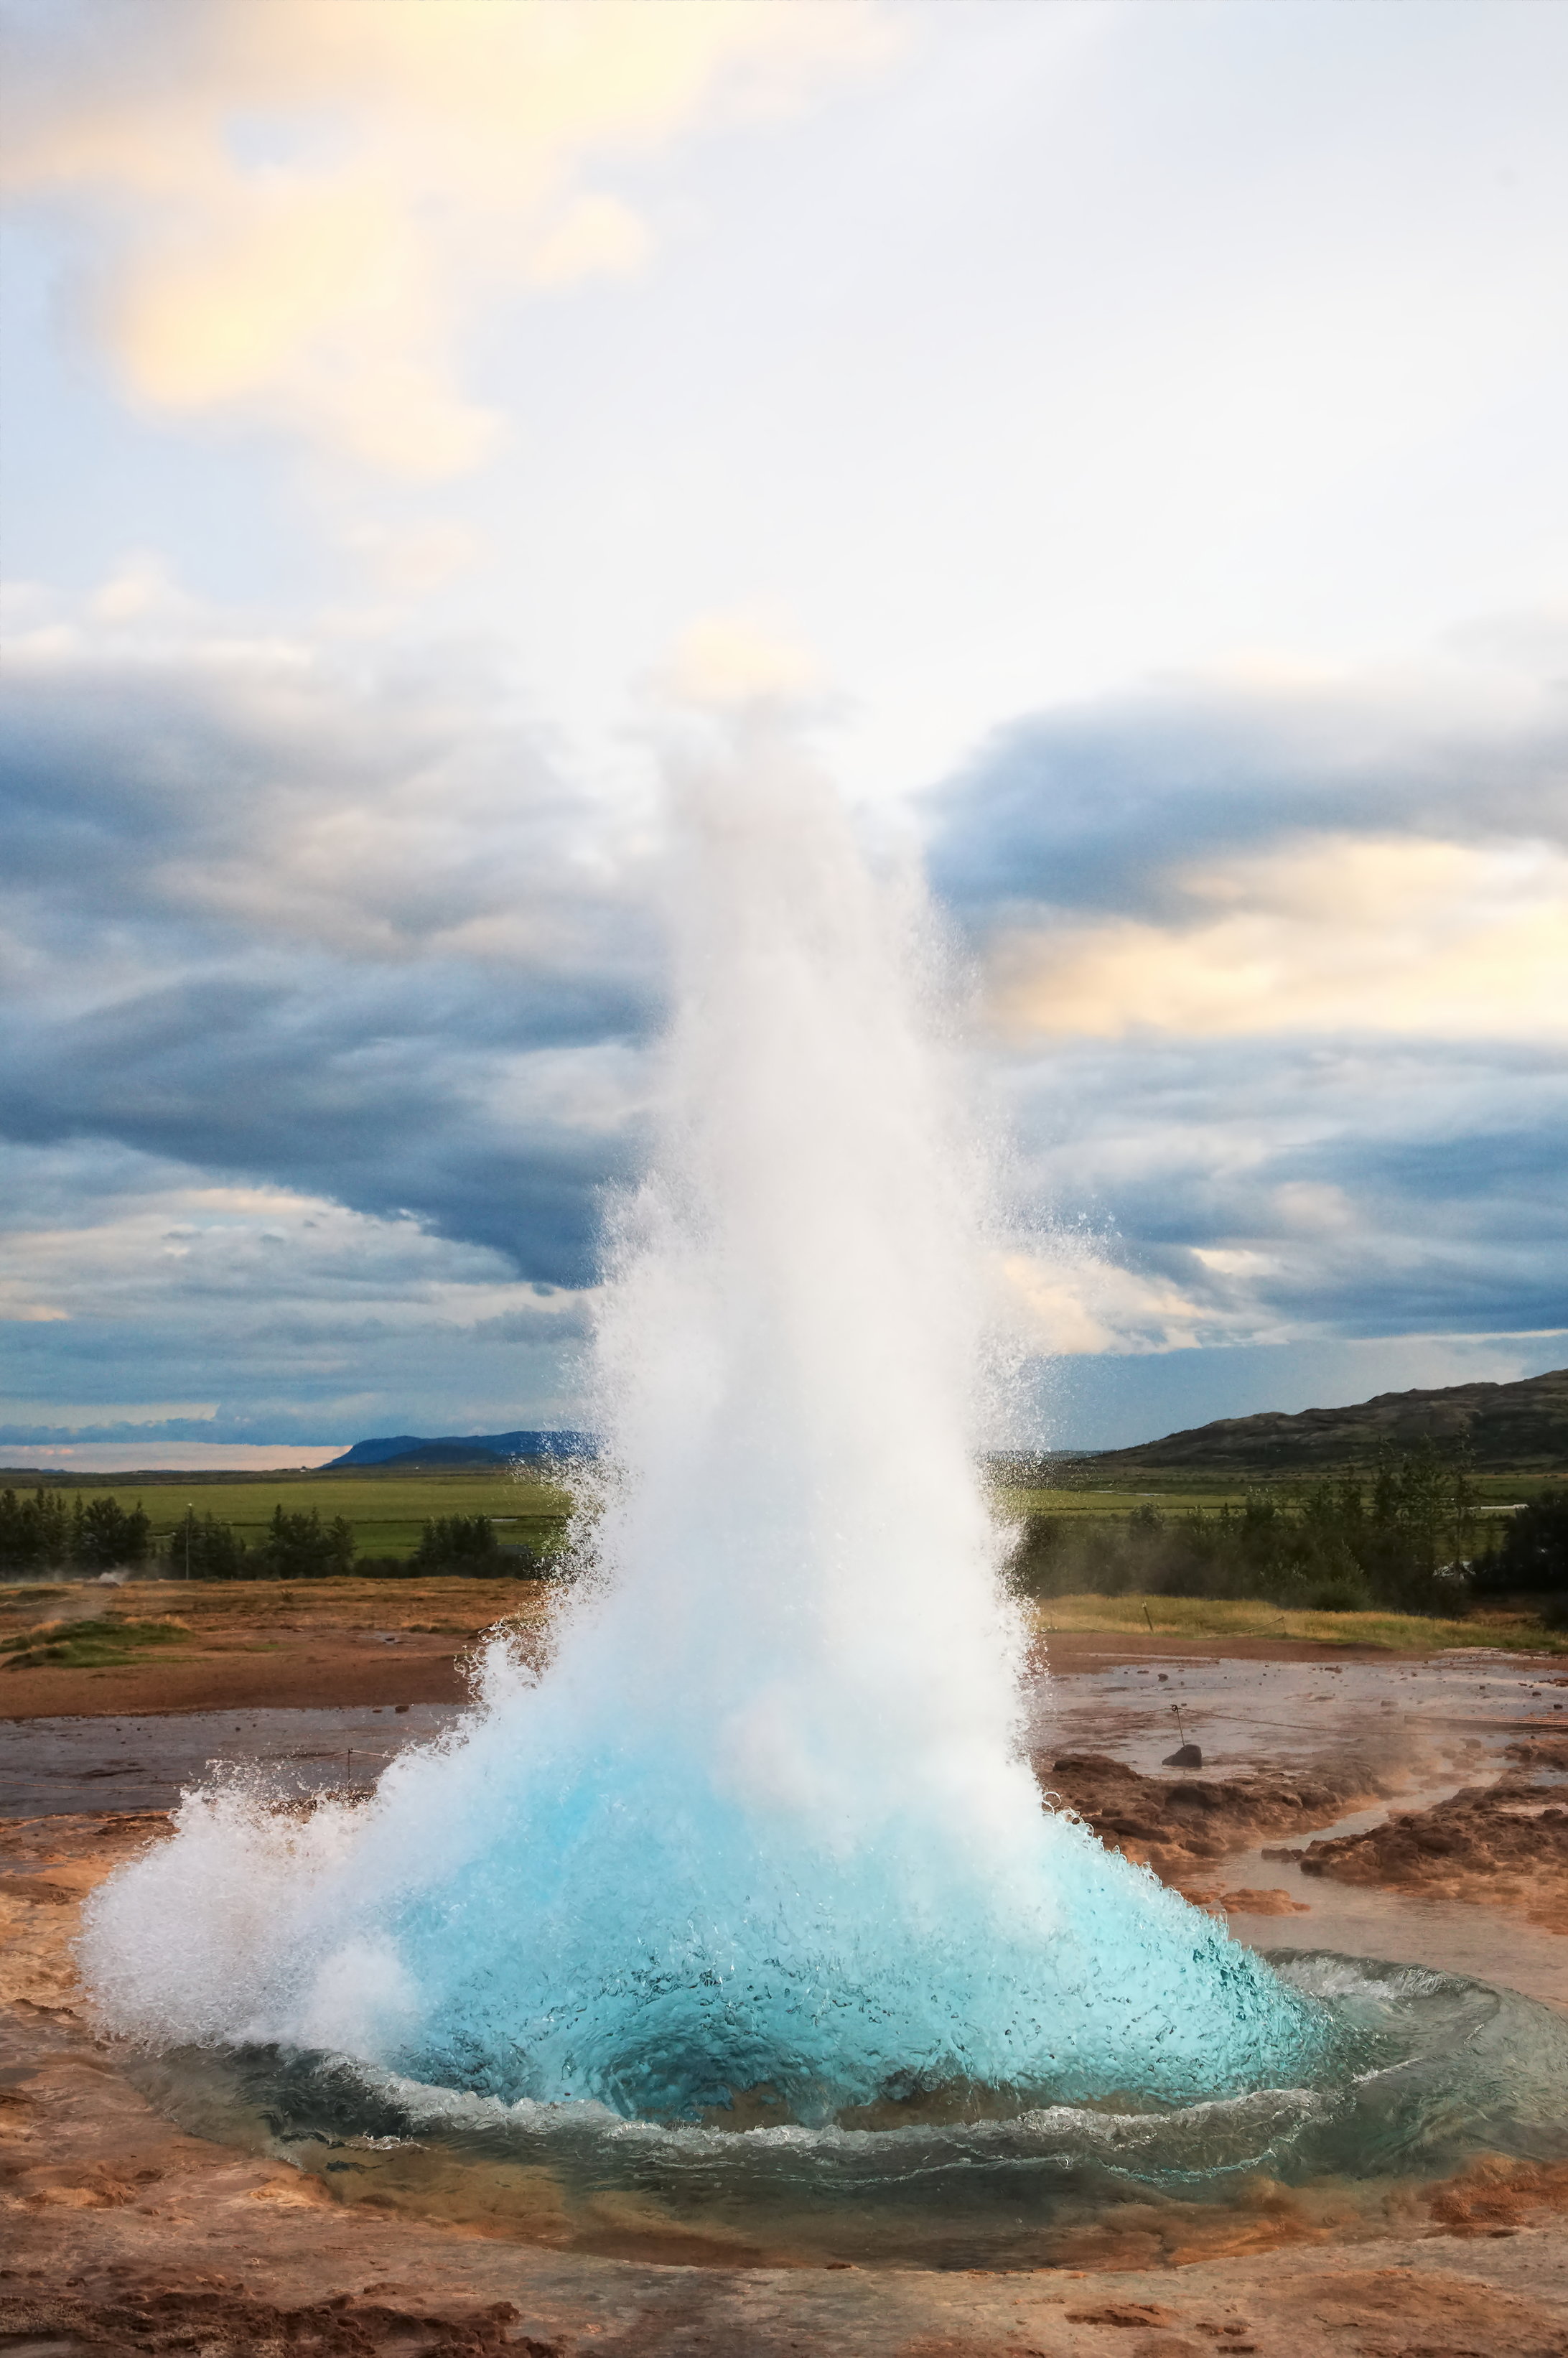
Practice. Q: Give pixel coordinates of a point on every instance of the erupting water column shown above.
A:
(762, 1824)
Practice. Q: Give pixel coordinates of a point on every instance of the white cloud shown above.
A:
(291, 211)
(410, 561)
(723, 659)
(144, 1456)
(276, 1299)
(1075, 1301)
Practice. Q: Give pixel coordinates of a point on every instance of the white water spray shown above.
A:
(762, 1824)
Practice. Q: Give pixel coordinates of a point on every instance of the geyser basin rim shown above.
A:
(459, 2109)
(1463, 2071)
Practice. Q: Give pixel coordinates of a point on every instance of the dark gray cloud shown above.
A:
(1374, 1188)
(347, 938)
(150, 1302)
(373, 1088)
(329, 997)
(1341, 1189)
(1098, 808)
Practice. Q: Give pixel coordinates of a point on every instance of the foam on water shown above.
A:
(762, 1824)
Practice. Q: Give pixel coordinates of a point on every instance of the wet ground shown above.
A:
(1450, 1709)
(1408, 1734)
(50, 1766)
(1389, 1735)
(125, 2233)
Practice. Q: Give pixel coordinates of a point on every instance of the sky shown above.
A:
(1129, 434)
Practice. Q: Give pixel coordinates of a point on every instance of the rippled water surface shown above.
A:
(1428, 2071)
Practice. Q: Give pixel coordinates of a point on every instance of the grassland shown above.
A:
(1072, 1492)
(387, 1511)
(446, 1606)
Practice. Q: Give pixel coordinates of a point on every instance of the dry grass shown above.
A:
(1220, 1617)
(208, 1607)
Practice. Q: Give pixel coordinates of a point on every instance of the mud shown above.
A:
(370, 1644)
(1181, 1826)
(1504, 1845)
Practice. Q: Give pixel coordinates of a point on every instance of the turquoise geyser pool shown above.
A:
(1417, 2073)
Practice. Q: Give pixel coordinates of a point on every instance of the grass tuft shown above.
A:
(101, 1644)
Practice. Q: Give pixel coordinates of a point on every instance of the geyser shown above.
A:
(758, 1843)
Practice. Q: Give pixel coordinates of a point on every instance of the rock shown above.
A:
(1185, 1755)
(1172, 1823)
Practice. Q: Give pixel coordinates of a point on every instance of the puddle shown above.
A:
(1448, 1935)
(58, 1767)
(1450, 1708)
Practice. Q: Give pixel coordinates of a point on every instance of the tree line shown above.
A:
(1411, 1537)
(47, 1532)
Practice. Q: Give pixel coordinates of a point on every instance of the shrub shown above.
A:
(35, 1533)
(47, 1530)
(1533, 1556)
(300, 1547)
(104, 1535)
(1339, 1592)
(201, 1548)
(1407, 1539)
(457, 1543)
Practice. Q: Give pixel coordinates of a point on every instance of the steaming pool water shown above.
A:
(1423, 2072)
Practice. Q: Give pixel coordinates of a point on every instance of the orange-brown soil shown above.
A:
(1505, 1845)
(1180, 1825)
(264, 1645)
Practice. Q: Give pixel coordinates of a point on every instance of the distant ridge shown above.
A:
(462, 1449)
(1512, 1428)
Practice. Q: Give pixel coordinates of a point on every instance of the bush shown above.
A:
(201, 1548)
(300, 1547)
(47, 1530)
(35, 1533)
(102, 1535)
(457, 1543)
(1407, 1539)
(1533, 1557)
(1339, 1592)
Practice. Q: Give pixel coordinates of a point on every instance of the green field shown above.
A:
(1072, 1492)
(387, 1511)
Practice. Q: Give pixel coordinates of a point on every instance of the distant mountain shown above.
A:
(413, 1449)
(1513, 1428)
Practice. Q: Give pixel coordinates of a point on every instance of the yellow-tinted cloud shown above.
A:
(293, 206)
(724, 660)
(1342, 933)
(1074, 1301)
